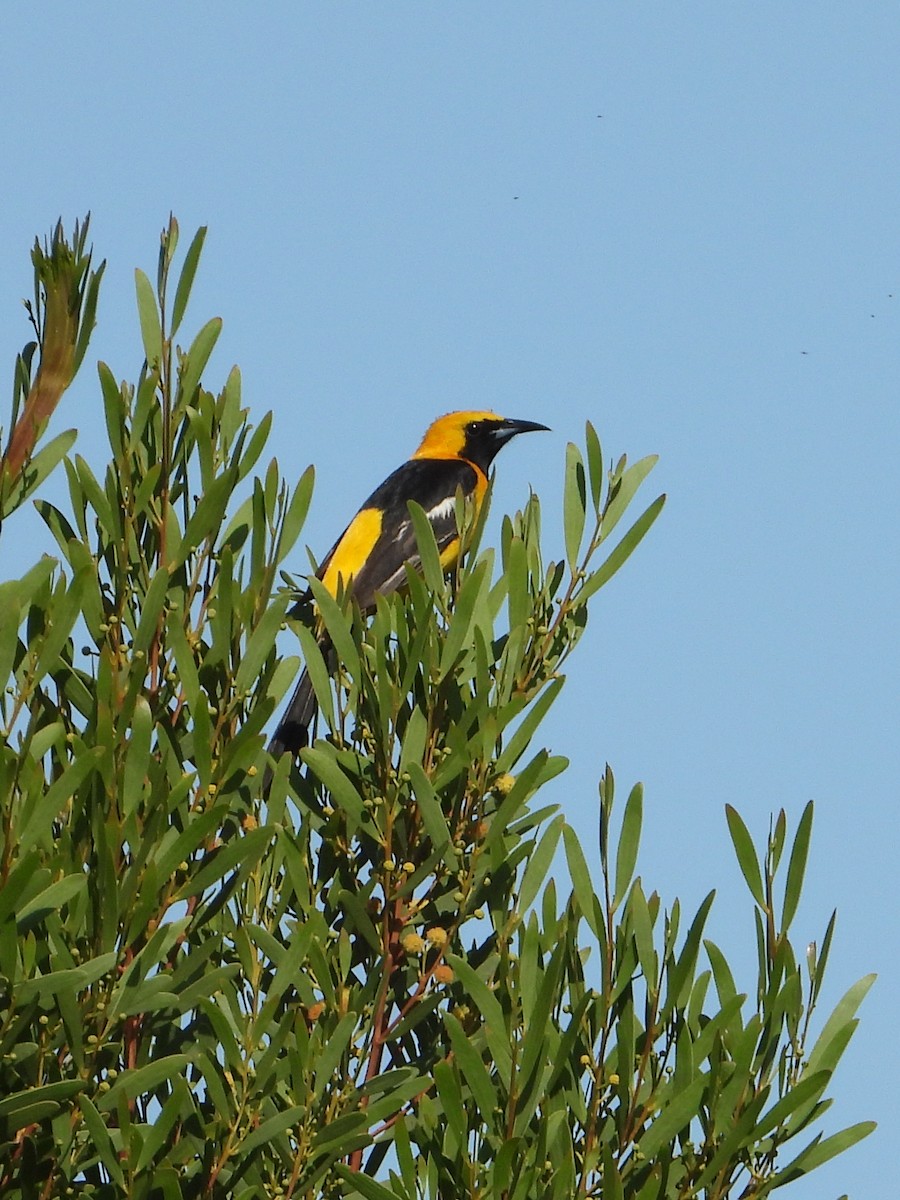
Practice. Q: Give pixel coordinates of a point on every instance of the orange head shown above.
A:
(475, 436)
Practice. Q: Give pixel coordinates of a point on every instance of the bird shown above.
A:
(369, 559)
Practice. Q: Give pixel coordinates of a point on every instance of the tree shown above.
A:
(366, 982)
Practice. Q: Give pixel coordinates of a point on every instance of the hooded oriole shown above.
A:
(370, 556)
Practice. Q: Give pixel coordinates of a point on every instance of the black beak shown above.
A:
(509, 428)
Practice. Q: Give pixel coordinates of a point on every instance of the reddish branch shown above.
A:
(60, 274)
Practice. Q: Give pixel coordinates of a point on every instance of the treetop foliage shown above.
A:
(369, 980)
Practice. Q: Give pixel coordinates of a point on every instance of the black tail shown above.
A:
(292, 733)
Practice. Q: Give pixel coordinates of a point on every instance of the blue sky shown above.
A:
(679, 222)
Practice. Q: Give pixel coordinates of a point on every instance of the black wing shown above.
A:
(432, 483)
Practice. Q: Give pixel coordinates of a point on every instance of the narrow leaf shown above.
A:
(822, 1054)
(432, 814)
(295, 516)
(340, 787)
(148, 314)
(674, 1117)
(186, 278)
(797, 867)
(473, 1069)
(426, 545)
(623, 551)
(194, 363)
(631, 480)
(746, 854)
(629, 841)
(574, 504)
(539, 861)
(582, 883)
(594, 464)
(260, 645)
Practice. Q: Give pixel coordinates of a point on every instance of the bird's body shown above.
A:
(370, 557)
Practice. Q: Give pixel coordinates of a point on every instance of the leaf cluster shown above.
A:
(63, 315)
(364, 980)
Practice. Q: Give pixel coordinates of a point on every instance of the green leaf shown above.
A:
(400, 1086)
(810, 1087)
(73, 979)
(188, 677)
(358, 919)
(366, 1186)
(458, 635)
(179, 1107)
(449, 1093)
(473, 1069)
(725, 985)
(151, 610)
(432, 815)
(797, 867)
(624, 492)
(405, 1159)
(622, 552)
(746, 854)
(831, 1041)
(594, 464)
(642, 925)
(426, 546)
(51, 1093)
(338, 625)
(88, 316)
(518, 599)
(295, 516)
(271, 1128)
(333, 1051)
(102, 1142)
(498, 1037)
(137, 758)
(525, 731)
(612, 1180)
(574, 504)
(113, 410)
(39, 467)
(819, 959)
(205, 521)
(538, 1037)
(143, 1080)
(255, 446)
(674, 1117)
(51, 899)
(37, 825)
(680, 974)
(186, 278)
(65, 611)
(57, 524)
(260, 645)
(243, 852)
(340, 787)
(539, 860)
(629, 841)
(826, 1148)
(194, 363)
(582, 883)
(110, 521)
(148, 314)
